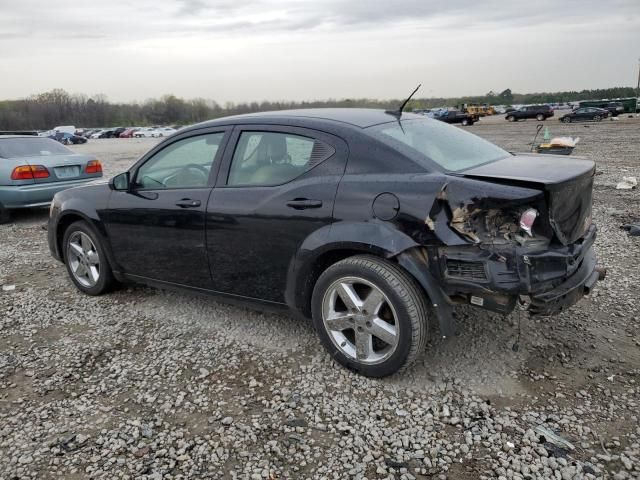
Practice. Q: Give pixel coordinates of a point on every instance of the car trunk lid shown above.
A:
(567, 183)
(62, 167)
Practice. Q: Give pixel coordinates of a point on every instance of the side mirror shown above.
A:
(120, 182)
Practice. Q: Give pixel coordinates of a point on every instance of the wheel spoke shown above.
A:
(339, 321)
(364, 345)
(384, 331)
(87, 245)
(79, 269)
(76, 249)
(373, 302)
(349, 296)
(93, 273)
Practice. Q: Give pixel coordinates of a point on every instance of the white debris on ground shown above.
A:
(627, 183)
(148, 384)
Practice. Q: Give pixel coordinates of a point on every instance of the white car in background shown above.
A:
(147, 132)
(164, 131)
(96, 134)
(153, 132)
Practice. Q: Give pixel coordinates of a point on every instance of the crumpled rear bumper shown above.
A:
(554, 301)
(547, 281)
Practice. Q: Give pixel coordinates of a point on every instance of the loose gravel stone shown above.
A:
(148, 384)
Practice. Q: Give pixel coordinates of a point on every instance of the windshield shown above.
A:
(432, 141)
(31, 147)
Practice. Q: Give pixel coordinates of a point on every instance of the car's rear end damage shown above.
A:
(516, 236)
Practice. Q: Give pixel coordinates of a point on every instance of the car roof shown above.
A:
(354, 117)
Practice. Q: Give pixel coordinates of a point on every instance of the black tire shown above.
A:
(404, 296)
(566, 120)
(5, 215)
(106, 280)
(511, 118)
(465, 122)
(597, 118)
(540, 117)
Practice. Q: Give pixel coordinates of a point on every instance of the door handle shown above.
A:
(188, 203)
(303, 203)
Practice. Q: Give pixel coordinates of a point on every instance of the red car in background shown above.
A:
(128, 133)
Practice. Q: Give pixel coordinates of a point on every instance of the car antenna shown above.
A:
(398, 113)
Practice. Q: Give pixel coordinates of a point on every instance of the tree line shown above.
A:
(58, 107)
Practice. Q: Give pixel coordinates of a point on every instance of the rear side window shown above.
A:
(274, 158)
(31, 147)
(426, 141)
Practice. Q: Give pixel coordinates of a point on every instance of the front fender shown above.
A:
(69, 209)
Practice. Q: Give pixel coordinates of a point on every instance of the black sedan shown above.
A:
(371, 223)
(584, 114)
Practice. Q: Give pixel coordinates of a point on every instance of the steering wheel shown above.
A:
(199, 168)
(184, 177)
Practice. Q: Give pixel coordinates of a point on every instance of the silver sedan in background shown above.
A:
(33, 169)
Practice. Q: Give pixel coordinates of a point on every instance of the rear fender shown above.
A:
(344, 239)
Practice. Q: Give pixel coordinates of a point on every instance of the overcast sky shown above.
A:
(246, 50)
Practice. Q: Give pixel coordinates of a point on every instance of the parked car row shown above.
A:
(128, 132)
(543, 112)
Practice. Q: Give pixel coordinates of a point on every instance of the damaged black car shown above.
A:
(371, 223)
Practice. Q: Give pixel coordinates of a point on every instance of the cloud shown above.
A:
(148, 18)
(314, 49)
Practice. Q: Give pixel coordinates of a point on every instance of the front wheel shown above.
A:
(86, 260)
(597, 118)
(511, 118)
(566, 120)
(465, 122)
(370, 315)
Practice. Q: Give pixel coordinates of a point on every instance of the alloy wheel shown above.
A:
(360, 320)
(83, 259)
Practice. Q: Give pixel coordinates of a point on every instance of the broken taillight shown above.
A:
(526, 220)
(29, 172)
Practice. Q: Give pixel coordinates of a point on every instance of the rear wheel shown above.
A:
(86, 259)
(466, 122)
(540, 117)
(370, 315)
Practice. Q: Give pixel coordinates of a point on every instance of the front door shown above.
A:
(276, 188)
(157, 229)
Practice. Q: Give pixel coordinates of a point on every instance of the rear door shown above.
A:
(277, 187)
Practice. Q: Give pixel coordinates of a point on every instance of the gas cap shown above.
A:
(386, 206)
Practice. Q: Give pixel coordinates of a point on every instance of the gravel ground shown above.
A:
(144, 383)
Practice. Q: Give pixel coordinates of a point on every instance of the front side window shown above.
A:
(425, 141)
(183, 164)
(273, 158)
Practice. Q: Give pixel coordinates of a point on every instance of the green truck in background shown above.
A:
(630, 104)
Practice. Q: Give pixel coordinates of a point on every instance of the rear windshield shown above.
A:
(429, 141)
(31, 147)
